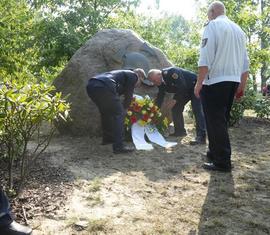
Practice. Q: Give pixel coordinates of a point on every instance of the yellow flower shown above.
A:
(140, 102)
(126, 121)
(143, 112)
(129, 113)
(166, 122)
(141, 122)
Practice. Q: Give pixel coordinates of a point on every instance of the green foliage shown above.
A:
(66, 26)
(239, 106)
(262, 107)
(23, 109)
(176, 37)
(18, 51)
(253, 17)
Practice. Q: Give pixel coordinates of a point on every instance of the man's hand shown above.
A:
(197, 89)
(241, 88)
(239, 92)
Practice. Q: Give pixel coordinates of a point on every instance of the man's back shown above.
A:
(225, 52)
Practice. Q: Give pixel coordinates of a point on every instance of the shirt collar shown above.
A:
(222, 16)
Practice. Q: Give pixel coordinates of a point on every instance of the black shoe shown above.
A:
(181, 134)
(198, 140)
(15, 229)
(211, 167)
(124, 149)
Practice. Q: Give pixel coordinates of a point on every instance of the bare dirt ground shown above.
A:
(89, 190)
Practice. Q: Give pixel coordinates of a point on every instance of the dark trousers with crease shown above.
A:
(5, 214)
(178, 119)
(111, 111)
(217, 100)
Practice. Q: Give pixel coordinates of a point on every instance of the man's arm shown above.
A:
(203, 71)
(241, 88)
(244, 76)
(160, 96)
(129, 89)
(207, 55)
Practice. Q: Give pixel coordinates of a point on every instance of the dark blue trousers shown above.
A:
(5, 214)
(111, 111)
(217, 100)
(178, 119)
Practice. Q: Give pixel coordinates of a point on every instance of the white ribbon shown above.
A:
(138, 133)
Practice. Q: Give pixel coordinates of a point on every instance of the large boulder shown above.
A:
(107, 50)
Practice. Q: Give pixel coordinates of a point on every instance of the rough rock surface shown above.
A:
(107, 50)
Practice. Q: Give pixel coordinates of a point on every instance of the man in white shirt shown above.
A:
(223, 72)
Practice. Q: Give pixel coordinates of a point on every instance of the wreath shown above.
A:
(145, 112)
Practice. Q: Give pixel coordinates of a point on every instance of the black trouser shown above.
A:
(111, 110)
(5, 215)
(217, 100)
(178, 119)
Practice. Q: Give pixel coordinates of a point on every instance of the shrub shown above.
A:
(262, 107)
(23, 109)
(240, 105)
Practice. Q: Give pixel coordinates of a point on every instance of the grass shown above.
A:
(94, 200)
(97, 225)
(95, 185)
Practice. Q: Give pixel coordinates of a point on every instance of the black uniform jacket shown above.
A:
(121, 82)
(179, 81)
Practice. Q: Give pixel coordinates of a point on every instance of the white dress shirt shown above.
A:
(223, 51)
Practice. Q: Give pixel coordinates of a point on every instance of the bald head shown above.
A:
(216, 9)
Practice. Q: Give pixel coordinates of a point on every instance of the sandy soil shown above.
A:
(163, 191)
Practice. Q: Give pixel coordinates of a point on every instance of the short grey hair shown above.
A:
(140, 72)
(218, 7)
(151, 72)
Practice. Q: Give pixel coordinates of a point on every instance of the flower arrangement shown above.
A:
(145, 112)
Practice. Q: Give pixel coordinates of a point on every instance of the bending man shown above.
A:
(105, 91)
(180, 82)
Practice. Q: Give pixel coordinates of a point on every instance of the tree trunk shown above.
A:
(264, 45)
(10, 174)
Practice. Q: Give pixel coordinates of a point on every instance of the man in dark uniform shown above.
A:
(7, 225)
(180, 82)
(105, 91)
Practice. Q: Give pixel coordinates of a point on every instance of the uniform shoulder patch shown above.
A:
(174, 75)
(204, 42)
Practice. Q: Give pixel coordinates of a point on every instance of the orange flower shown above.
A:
(145, 117)
(153, 109)
(137, 108)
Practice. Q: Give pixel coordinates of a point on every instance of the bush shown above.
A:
(23, 109)
(239, 106)
(262, 107)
